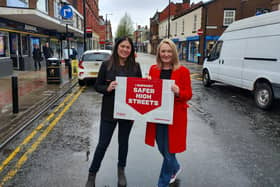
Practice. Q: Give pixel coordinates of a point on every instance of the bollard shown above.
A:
(70, 70)
(15, 93)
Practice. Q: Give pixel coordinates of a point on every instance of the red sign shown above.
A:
(102, 42)
(143, 95)
(199, 32)
(88, 29)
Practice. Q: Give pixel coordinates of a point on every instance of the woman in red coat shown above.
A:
(171, 139)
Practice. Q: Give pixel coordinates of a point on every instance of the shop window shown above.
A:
(42, 5)
(229, 17)
(4, 44)
(57, 8)
(194, 23)
(17, 3)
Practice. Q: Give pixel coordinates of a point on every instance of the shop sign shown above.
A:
(30, 28)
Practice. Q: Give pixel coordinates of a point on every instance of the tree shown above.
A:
(125, 27)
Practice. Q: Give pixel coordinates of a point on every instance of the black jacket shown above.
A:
(105, 77)
(48, 52)
(37, 55)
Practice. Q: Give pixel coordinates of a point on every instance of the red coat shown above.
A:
(177, 132)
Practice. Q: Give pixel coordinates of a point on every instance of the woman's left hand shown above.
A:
(175, 88)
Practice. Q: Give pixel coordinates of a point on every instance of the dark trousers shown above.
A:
(36, 64)
(105, 135)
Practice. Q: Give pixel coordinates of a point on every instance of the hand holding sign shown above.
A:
(175, 88)
(112, 86)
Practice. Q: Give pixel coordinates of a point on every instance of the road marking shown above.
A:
(32, 135)
(196, 76)
(34, 146)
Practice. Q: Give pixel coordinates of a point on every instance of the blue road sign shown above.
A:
(66, 12)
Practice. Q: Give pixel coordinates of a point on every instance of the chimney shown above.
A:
(186, 1)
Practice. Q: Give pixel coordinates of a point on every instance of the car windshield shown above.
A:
(96, 57)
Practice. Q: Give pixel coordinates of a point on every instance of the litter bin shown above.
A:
(53, 70)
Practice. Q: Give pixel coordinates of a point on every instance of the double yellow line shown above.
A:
(12, 172)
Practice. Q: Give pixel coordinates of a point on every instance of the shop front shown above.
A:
(6, 66)
(193, 49)
(17, 41)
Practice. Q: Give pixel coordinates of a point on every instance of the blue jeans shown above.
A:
(105, 135)
(170, 164)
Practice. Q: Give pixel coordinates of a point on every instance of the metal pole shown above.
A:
(15, 93)
(84, 15)
(168, 19)
(106, 28)
(68, 52)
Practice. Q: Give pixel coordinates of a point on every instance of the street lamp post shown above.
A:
(84, 15)
(168, 35)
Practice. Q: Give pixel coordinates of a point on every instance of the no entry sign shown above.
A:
(142, 99)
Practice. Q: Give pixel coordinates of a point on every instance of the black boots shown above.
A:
(121, 177)
(91, 179)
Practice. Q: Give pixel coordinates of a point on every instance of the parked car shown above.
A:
(247, 56)
(90, 63)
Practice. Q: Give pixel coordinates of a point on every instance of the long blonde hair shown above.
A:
(175, 59)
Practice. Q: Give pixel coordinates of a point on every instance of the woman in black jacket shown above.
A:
(121, 63)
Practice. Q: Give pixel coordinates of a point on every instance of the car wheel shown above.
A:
(263, 95)
(206, 80)
(81, 82)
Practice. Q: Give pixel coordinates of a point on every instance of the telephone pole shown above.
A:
(168, 35)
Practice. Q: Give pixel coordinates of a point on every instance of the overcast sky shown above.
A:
(140, 11)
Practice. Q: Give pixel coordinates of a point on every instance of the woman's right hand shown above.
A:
(112, 86)
(148, 77)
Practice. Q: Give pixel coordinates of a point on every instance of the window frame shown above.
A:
(226, 17)
(216, 51)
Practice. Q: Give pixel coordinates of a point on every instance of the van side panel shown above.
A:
(262, 56)
(231, 62)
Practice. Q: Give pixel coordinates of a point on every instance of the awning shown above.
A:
(37, 18)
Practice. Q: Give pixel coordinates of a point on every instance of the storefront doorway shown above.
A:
(15, 49)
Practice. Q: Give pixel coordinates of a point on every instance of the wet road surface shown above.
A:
(230, 143)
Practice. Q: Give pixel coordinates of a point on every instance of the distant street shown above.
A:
(231, 143)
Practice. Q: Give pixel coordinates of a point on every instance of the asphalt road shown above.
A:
(230, 143)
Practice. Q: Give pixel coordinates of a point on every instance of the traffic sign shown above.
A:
(88, 29)
(199, 32)
(66, 12)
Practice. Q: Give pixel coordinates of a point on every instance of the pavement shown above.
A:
(34, 95)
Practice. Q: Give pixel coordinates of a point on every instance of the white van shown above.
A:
(247, 55)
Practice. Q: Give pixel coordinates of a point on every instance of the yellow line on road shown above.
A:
(32, 134)
(34, 146)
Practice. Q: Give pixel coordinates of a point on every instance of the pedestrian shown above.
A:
(170, 139)
(121, 63)
(37, 57)
(74, 54)
(48, 52)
